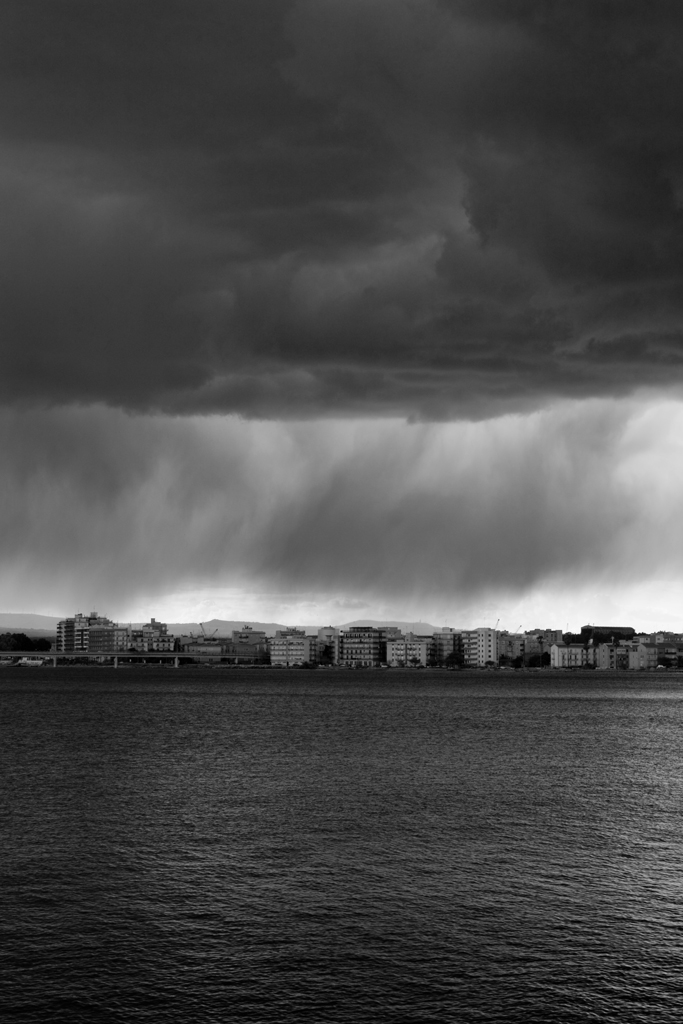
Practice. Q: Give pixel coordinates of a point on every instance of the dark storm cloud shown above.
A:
(404, 207)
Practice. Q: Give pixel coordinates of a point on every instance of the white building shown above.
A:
(569, 656)
(642, 657)
(480, 647)
(612, 656)
(409, 651)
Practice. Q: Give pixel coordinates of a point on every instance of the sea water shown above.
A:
(224, 846)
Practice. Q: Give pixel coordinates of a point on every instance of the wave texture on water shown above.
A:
(203, 846)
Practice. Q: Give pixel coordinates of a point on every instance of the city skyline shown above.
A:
(97, 638)
(316, 309)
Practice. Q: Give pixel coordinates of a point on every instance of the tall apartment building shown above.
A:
(73, 634)
(480, 647)
(448, 646)
(328, 643)
(102, 638)
(96, 634)
(361, 646)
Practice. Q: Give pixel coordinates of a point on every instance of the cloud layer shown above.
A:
(118, 511)
(334, 207)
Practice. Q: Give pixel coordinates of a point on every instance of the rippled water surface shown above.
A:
(200, 846)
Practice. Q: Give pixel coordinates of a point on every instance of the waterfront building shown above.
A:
(96, 634)
(539, 641)
(642, 657)
(670, 653)
(73, 634)
(249, 644)
(511, 646)
(328, 644)
(247, 653)
(163, 643)
(101, 639)
(564, 655)
(121, 638)
(480, 647)
(409, 651)
(447, 646)
(291, 647)
(387, 633)
(612, 656)
(137, 639)
(360, 647)
(152, 636)
(197, 647)
(247, 635)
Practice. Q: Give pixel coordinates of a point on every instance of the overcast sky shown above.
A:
(321, 309)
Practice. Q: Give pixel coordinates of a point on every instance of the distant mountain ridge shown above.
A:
(21, 621)
(221, 627)
(28, 622)
(409, 627)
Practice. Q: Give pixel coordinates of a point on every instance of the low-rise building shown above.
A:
(409, 651)
(642, 657)
(612, 656)
(197, 647)
(511, 646)
(564, 655)
(249, 644)
(248, 635)
(670, 653)
(547, 637)
(164, 643)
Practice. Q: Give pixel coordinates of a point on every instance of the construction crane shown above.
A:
(204, 633)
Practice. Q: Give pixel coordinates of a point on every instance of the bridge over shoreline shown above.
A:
(125, 657)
